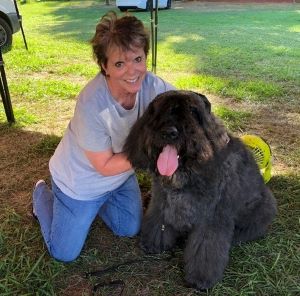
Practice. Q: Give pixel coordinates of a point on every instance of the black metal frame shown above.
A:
(4, 91)
(20, 22)
(154, 24)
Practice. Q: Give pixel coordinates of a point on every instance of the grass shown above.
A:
(36, 89)
(254, 90)
(244, 57)
(234, 120)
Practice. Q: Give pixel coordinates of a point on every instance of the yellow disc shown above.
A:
(261, 152)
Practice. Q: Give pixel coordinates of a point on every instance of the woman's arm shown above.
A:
(108, 163)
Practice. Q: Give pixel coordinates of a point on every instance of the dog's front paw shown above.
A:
(151, 240)
(204, 269)
(149, 248)
(157, 239)
(199, 284)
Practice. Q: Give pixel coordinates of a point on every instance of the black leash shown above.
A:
(115, 283)
(120, 283)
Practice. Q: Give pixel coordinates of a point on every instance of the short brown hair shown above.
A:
(126, 32)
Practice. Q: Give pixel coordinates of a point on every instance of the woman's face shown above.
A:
(125, 71)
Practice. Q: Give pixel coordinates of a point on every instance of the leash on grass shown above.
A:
(120, 283)
(115, 283)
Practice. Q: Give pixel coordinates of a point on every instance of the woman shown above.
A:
(90, 175)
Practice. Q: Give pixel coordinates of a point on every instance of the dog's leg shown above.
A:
(156, 236)
(254, 224)
(207, 252)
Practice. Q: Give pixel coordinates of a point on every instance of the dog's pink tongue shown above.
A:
(167, 161)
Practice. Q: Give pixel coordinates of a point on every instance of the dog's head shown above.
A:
(177, 129)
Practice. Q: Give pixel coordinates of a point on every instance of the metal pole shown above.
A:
(4, 91)
(155, 34)
(152, 33)
(20, 22)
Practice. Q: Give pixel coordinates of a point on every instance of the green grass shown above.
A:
(239, 47)
(38, 89)
(254, 90)
(22, 270)
(234, 120)
(246, 55)
(22, 117)
(237, 52)
(47, 145)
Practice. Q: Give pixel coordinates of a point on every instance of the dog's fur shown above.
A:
(215, 198)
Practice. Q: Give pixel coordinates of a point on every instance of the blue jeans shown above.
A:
(65, 222)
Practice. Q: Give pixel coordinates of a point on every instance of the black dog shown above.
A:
(205, 184)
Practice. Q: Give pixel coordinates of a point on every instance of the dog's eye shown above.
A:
(195, 113)
(174, 110)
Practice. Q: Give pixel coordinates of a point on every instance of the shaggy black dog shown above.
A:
(206, 185)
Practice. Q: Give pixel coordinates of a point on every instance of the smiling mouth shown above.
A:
(132, 80)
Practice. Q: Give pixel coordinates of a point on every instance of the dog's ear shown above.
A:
(137, 141)
(205, 100)
(214, 127)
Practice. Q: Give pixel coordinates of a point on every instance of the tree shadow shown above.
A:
(24, 160)
(286, 189)
(72, 21)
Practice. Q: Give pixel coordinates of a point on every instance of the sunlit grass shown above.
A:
(79, 69)
(259, 90)
(22, 117)
(41, 89)
(234, 120)
(237, 52)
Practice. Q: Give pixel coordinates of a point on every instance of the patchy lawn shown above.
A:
(244, 57)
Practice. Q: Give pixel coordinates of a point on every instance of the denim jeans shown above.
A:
(65, 222)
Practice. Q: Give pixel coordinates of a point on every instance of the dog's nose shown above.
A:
(170, 132)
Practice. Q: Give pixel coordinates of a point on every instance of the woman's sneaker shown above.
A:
(39, 182)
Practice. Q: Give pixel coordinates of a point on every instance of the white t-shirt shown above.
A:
(99, 123)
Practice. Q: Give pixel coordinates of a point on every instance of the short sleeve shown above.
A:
(90, 131)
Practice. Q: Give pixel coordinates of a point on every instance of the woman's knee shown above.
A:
(64, 255)
(130, 229)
